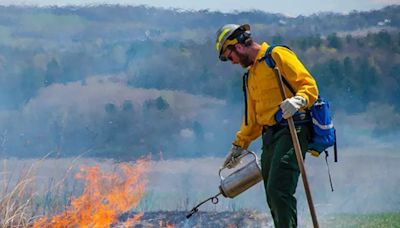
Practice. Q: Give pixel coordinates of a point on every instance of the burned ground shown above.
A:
(242, 218)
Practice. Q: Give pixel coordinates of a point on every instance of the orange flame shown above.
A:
(105, 196)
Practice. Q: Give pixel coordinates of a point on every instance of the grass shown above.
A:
(15, 201)
(379, 220)
(30, 189)
(20, 203)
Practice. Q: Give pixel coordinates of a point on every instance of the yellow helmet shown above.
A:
(225, 32)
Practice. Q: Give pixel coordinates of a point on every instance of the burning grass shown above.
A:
(106, 195)
(100, 195)
(58, 191)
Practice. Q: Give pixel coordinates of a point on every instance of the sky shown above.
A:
(287, 7)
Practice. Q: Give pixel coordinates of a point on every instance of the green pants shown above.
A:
(281, 173)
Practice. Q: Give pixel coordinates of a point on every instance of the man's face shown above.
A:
(237, 55)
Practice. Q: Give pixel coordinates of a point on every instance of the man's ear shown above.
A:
(239, 48)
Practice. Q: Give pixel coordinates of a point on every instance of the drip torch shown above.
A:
(237, 182)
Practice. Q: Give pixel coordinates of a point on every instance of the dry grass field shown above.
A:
(163, 191)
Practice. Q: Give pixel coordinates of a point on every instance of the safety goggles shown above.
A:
(227, 57)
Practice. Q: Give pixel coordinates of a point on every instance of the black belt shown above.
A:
(269, 131)
(272, 129)
(298, 118)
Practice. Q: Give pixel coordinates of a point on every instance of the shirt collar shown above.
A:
(261, 52)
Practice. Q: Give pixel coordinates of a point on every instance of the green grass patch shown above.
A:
(389, 220)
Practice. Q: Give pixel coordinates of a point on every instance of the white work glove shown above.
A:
(231, 160)
(291, 105)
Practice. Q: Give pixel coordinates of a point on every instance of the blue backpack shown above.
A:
(324, 133)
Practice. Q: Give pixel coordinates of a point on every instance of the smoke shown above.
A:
(374, 131)
(90, 95)
(362, 184)
(72, 118)
(365, 179)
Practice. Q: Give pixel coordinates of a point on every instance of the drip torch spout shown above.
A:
(214, 200)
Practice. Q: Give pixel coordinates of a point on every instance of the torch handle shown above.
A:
(246, 152)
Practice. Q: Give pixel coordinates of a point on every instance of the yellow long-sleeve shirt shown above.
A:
(263, 95)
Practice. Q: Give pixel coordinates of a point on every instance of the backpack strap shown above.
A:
(268, 55)
(335, 146)
(245, 77)
(271, 63)
(329, 171)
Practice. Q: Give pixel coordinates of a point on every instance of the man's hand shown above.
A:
(231, 160)
(291, 105)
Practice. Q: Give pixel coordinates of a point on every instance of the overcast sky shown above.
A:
(287, 7)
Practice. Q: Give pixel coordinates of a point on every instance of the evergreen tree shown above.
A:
(334, 41)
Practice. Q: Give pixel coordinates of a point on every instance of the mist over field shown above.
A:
(106, 84)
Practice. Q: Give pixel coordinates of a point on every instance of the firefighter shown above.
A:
(265, 115)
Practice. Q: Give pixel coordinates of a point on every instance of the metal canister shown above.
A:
(241, 179)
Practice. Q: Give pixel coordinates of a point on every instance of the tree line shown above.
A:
(355, 69)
